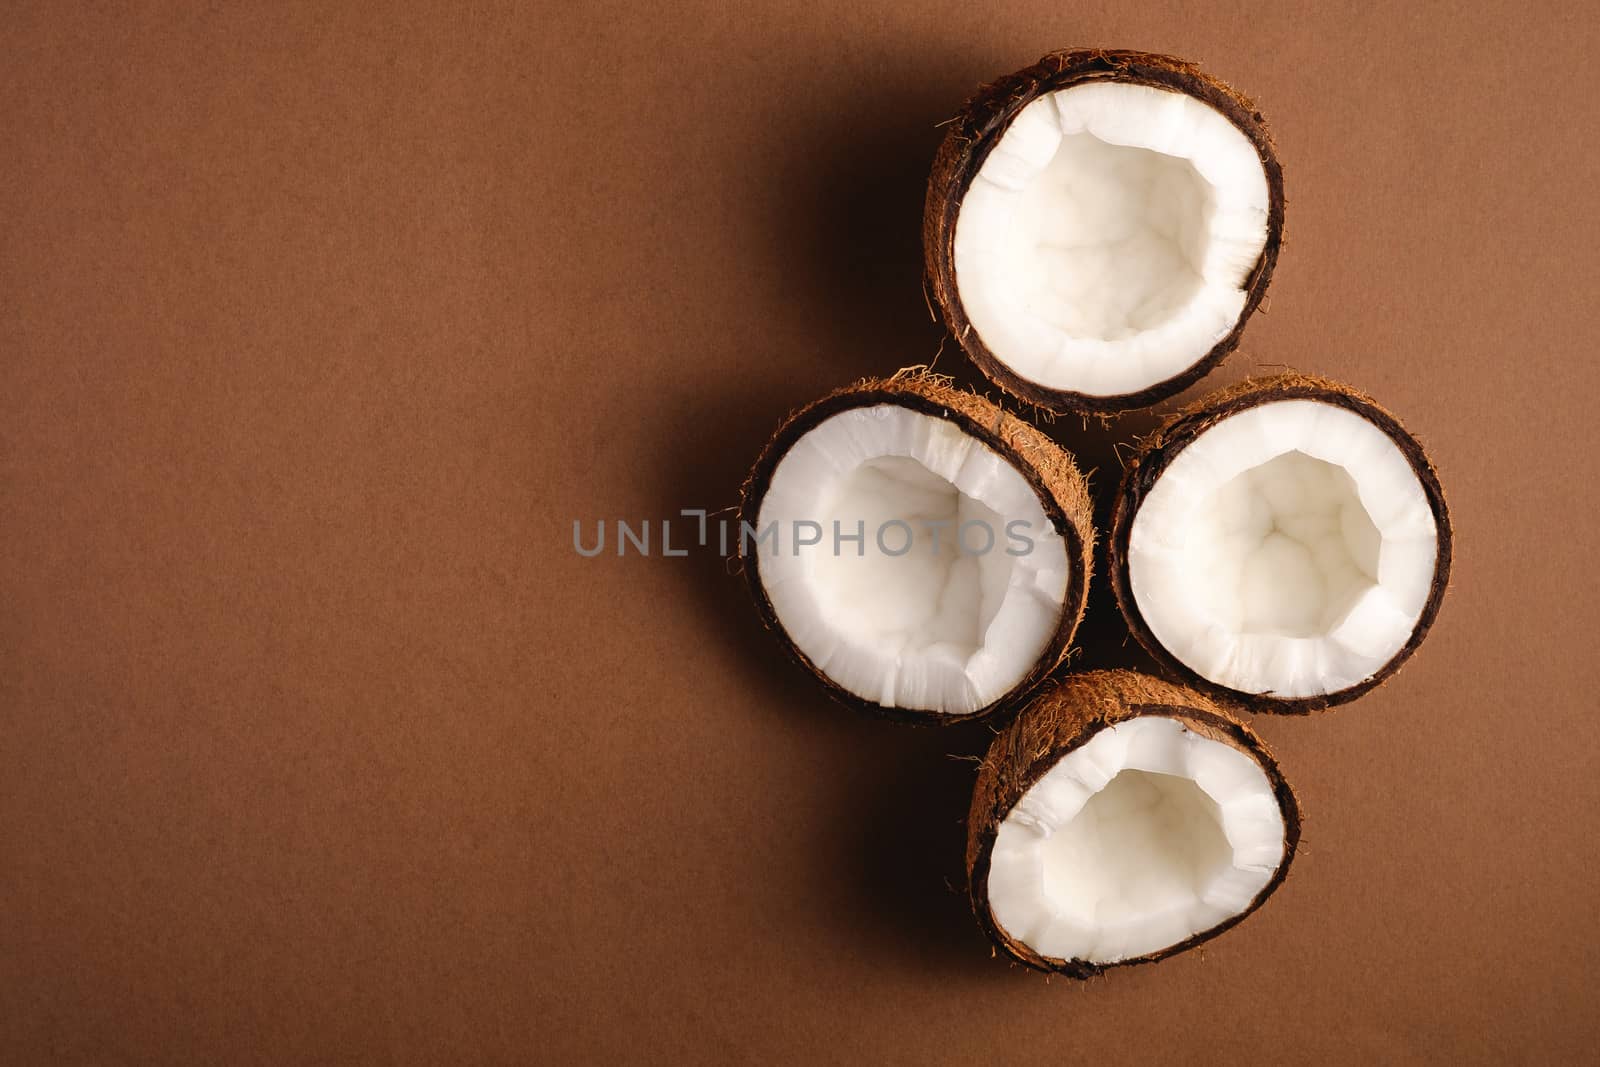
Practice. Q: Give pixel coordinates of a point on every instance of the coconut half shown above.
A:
(923, 553)
(1120, 819)
(1284, 544)
(1100, 225)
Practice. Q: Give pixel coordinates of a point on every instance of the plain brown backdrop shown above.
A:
(319, 742)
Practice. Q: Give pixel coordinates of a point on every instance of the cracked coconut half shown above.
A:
(923, 553)
(1100, 225)
(1284, 544)
(1120, 819)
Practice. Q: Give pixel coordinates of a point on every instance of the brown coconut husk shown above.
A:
(1061, 719)
(1062, 489)
(1156, 452)
(974, 133)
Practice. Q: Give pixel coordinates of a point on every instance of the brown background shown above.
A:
(317, 739)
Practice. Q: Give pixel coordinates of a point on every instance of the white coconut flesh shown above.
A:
(1288, 550)
(1134, 842)
(899, 623)
(1105, 242)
